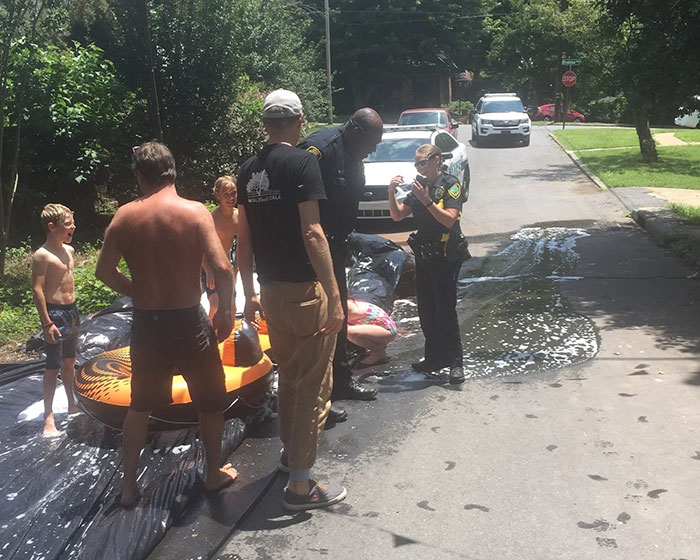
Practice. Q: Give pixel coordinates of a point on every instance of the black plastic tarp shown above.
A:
(59, 494)
(376, 269)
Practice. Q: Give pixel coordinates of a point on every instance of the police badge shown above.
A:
(439, 192)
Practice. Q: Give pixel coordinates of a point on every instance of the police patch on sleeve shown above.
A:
(455, 191)
(315, 151)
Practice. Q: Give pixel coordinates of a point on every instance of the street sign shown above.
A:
(568, 78)
(571, 61)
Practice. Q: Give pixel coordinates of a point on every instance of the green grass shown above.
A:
(678, 167)
(587, 139)
(689, 135)
(689, 213)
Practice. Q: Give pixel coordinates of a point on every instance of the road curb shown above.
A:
(582, 166)
(660, 223)
(664, 225)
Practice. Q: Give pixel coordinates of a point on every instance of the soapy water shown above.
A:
(512, 316)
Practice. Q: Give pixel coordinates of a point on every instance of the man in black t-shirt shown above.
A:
(279, 224)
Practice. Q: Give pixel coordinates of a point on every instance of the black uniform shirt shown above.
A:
(344, 179)
(446, 192)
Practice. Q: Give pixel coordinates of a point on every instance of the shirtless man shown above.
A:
(226, 223)
(163, 239)
(53, 289)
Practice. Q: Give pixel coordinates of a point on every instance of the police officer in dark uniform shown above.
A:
(435, 201)
(340, 151)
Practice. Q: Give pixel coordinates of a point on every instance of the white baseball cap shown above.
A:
(282, 103)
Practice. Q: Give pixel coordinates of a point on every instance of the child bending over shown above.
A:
(370, 327)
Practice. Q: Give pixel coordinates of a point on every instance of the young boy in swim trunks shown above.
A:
(226, 223)
(53, 289)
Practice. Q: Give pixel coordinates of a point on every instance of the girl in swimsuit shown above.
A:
(371, 328)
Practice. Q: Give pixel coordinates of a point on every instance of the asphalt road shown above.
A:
(577, 434)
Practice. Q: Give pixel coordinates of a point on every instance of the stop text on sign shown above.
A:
(568, 78)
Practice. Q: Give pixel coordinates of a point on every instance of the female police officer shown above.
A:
(435, 201)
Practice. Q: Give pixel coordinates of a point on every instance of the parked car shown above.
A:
(439, 118)
(500, 115)
(395, 156)
(687, 117)
(546, 113)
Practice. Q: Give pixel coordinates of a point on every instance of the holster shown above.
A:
(458, 249)
(428, 250)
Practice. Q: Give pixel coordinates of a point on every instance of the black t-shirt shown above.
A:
(343, 177)
(271, 184)
(446, 192)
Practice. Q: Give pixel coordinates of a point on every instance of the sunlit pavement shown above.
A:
(576, 434)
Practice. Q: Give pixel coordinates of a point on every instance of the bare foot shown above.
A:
(51, 432)
(50, 429)
(130, 498)
(225, 477)
(74, 409)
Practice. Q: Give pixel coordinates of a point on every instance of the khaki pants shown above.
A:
(295, 311)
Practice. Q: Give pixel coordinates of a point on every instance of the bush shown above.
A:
(91, 294)
(16, 288)
(18, 323)
(608, 110)
(461, 107)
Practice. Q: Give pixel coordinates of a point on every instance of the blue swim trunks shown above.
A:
(67, 321)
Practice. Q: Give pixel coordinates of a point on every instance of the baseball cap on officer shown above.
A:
(282, 103)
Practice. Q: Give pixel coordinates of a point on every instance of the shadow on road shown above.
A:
(497, 143)
(628, 283)
(549, 172)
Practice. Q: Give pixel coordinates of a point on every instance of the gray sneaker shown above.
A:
(321, 495)
(456, 375)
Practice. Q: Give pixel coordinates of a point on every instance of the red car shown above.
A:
(438, 117)
(546, 113)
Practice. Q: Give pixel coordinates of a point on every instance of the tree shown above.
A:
(74, 125)
(20, 22)
(658, 63)
(530, 40)
(212, 59)
(379, 49)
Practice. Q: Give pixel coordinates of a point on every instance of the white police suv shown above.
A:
(500, 115)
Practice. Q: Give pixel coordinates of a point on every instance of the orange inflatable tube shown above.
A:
(102, 385)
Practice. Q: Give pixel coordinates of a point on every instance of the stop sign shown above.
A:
(568, 78)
